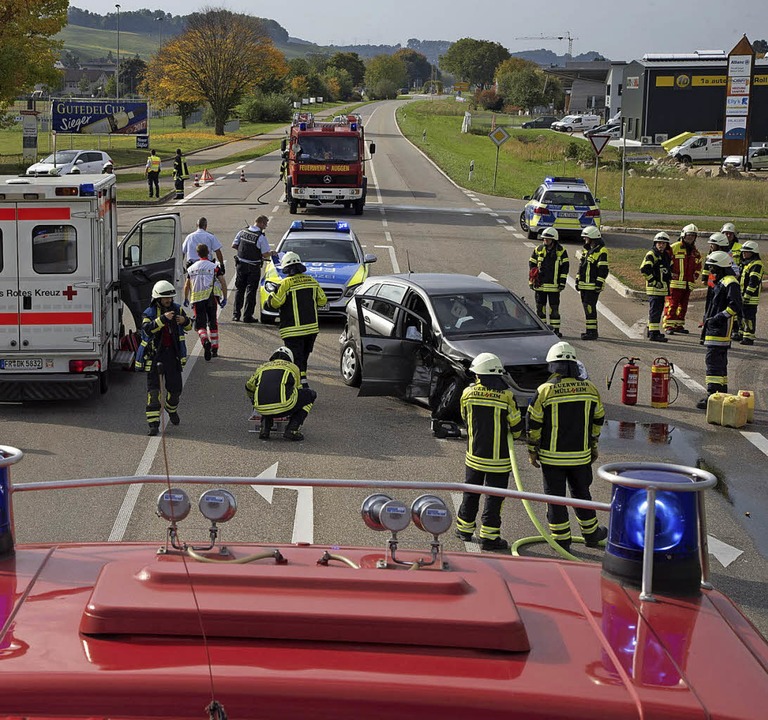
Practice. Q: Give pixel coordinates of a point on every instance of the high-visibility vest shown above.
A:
(154, 163)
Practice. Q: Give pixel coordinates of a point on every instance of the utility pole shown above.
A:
(117, 72)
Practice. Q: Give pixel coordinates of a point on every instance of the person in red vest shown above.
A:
(686, 268)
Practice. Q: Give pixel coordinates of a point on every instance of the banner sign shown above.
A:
(741, 70)
(99, 117)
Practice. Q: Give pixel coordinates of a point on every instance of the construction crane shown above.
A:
(567, 37)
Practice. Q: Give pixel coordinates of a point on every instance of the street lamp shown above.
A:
(117, 73)
(160, 28)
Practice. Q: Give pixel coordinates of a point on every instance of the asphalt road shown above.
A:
(416, 219)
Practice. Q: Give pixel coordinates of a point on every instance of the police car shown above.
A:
(565, 203)
(332, 255)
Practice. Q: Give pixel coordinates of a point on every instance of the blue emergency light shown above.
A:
(302, 126)
(559, 179)
(342, 226)
(656, 528)
(297, 225)
(87, 190)
(353, 126)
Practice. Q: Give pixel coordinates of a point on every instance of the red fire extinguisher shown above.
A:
(660, 377)
(629, 379)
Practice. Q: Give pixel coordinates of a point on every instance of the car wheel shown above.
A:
(523, 224)
(349, 365)
(359, 206)
(686, 160)
(293, 208)
(568, 129)
(267, 319)
(104, 380)
(448, 401)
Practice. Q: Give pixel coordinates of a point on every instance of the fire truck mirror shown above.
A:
(373, 148)
(282, 145)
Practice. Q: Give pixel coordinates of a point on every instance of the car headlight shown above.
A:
(352, 289)
(270, 286)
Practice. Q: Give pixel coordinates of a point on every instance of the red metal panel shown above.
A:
(44, 213)
(7, 214)
(56, 318)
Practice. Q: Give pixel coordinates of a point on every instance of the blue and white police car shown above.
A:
(564, 203)
(332, 255)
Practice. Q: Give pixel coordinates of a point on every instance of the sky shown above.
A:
(639, 27)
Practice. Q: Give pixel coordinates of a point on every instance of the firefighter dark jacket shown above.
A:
(548, 268)
(656, 268)
(593, 267)
(274, 387)
(298, 298)
(153, 325)
(723, 308)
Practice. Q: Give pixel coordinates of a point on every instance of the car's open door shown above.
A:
(151, 251)
(389, 362)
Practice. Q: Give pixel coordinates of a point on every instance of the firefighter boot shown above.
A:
(657, 336)
(292, 431)
(266, 426)
(593, 539)
(589, 335)
(174, 418)
(154, 429)
(496, 544)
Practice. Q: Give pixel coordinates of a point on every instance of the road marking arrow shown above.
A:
(304, 517)
(723, 552)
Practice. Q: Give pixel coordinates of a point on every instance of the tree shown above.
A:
(760, 47)
(522, 83)
(339, 83)
(351, 62)
(27, 50)
(418, 67)
(132, 73)
(384, 75)
(474, 60)
(220, 57)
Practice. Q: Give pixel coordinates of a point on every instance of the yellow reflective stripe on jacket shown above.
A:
(298, 298)
(751, 281)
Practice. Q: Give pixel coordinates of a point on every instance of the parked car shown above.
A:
(543, 121)
(414, 336)
(332, 255)
(576, 123)
(71, 162)
(564, 203)
(757, 159)
(612, 129)
(698, 148)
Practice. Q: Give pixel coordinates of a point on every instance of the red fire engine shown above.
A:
(324, 162)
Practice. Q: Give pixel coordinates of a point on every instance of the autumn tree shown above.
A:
(384, 75)
(27, 50)
(474, 60)
(220, 57)
(132, 73)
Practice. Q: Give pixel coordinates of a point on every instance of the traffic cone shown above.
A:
(207, 177)
(197, 179)
(242, 176)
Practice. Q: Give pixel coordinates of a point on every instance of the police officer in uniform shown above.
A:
(489, 410)
(593, 271)
(656, 268)
(152, 171)
(751, 281)
(547, 276)
(297, 298)
(252, 250)
(564, 425)
(276, 392)
(163, 351)
(724, 307)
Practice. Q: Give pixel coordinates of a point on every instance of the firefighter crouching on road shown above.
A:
(593, 271)
(297, 298)
(489, 410)
(564, 425)
(656, 268)
(276, 392)
(751, 281)
(547, 276)
(163, 350)
(718, 322)
(686, 268)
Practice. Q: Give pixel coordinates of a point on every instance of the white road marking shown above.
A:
(723, 552)
(757, 440)
(193, 194)
(391, 249)
(614, 319)
(231, 172)
(304, 517)
(495, 214)
(501, 220)
(521, 237)
(275, 209)
(240, 167)
(486, 276)
(687, 380)
(468, 546)
(533, 245)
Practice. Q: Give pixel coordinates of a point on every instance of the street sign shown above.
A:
(499, 136)
(599, 142)
(639, 158)
(142, 142)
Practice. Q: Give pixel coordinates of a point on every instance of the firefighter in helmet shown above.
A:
(489, 410)
(275, 389)
(593, 272)
(686, 268)
(751, 281)
(163, 353)
(656, 268)
(564, 425)
(547, 275)
(724, 307)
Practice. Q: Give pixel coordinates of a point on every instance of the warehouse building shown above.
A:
(665, 95)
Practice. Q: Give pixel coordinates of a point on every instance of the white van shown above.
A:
(576, 123)
(64, 279)
(699, 148)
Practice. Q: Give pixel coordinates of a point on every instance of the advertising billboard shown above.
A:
(99, 117)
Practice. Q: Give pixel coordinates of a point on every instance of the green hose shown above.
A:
(543, 536)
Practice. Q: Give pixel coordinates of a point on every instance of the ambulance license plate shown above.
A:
(26, 364)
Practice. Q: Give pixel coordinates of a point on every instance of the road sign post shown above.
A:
(499, 137)
(598, 143)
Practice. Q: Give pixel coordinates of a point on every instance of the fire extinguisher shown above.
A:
(661, 374)
(629, 378)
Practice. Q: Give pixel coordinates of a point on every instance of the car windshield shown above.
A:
(568, 197)
(62, 157)
(321, 249)
(483, 312)
(329, 147)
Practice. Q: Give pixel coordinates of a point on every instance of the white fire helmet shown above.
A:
(591, 232)
(283, 350)
(550, 232)
(728, 227)
(719, 259)
(661, 237)
(163, 289)
(718, 239)
(487, 364)
(561, 351)
(749, 246)
(689, 229)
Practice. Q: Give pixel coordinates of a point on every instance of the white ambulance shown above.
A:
(65, 280)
